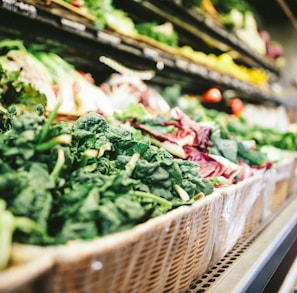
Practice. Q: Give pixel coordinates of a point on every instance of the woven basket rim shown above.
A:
(78, 249)
(31, 262)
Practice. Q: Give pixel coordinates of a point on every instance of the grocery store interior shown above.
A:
(148, 146)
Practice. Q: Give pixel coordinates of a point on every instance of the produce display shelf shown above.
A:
(261, 261)
(231, 39)
(201, 27)
(85, 40)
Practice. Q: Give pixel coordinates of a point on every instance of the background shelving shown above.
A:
(82, 44)
(195, 27)
(78, 38)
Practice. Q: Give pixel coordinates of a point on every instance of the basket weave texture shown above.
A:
(259, 209)
(164, 254)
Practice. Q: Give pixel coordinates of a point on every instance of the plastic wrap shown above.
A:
(284, 170)
(238, 206)
(293, 180)
(260, 208)
(269, 178)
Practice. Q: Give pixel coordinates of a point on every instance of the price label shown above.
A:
(168, 61)
(226, 79)
(222, 32)
(197, 69)
(182, 64)
(235, 83)
(73, 25)
(20, 7)
(151, 53)
(235, 40)
(178, 2)
(214, 75)
(208, 21)
(107, 38)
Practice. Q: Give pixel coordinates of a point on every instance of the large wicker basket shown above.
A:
(248, 203)
(164, 254)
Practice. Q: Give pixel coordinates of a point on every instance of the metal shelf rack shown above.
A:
(265, 261)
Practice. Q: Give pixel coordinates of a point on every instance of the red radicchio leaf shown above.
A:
(202, 133)
(174, 137)
(208, 167)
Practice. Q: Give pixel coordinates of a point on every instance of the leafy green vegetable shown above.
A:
(163, 33)
(15, 91)
(133, 110)
(227, 5)
(229, 133)
(262, 136)
(99, 180)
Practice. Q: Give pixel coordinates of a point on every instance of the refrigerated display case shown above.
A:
(261, 261)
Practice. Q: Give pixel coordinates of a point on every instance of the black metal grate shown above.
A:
(205, 283)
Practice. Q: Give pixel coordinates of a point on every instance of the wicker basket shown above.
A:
(165, 254)
(276, 185)
(29, 271)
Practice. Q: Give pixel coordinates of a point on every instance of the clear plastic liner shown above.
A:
(250, 202)
(267, 191)
(293, 180)
(284, 170)
(238, 202)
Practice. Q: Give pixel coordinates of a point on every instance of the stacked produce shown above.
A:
(100, 14)
(163, 35)
(87, 179)
(239, 17)
(118, 165)
(271, 142)
(29, 78)
(95, 176)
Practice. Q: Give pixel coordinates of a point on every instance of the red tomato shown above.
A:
(77, 3)
(236, 106)
(212, 95)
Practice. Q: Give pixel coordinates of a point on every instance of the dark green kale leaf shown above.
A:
(192, 182)
(35, 199)
(91, 122)
(252, 157)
